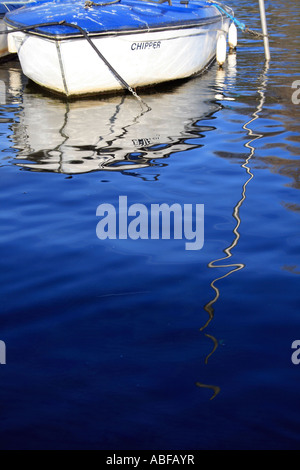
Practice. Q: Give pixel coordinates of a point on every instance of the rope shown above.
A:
(256, 33)
(89, 4)
(107, 63)
(86, 36)
(159, 2)
(238, 23)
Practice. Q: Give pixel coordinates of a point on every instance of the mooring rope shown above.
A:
(89, 4)
(238, 23)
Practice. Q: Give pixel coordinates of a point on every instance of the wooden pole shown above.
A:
(264, 28)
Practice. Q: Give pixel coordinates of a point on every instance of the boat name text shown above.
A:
(139, 46)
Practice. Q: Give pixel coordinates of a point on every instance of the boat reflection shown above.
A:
(11, 83)
(114, 133)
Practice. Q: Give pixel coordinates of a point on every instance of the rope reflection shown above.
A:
(220, 263)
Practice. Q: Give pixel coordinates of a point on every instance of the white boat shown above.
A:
(3, 40)
(82, 47)
(6, 7)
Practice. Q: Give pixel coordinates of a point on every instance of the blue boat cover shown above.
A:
(123, 15)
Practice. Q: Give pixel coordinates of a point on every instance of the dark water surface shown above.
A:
(112, 344)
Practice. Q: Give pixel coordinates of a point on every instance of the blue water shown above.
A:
(112, 344)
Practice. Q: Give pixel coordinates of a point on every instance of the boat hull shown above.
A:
(4, 8)
(72, 67)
